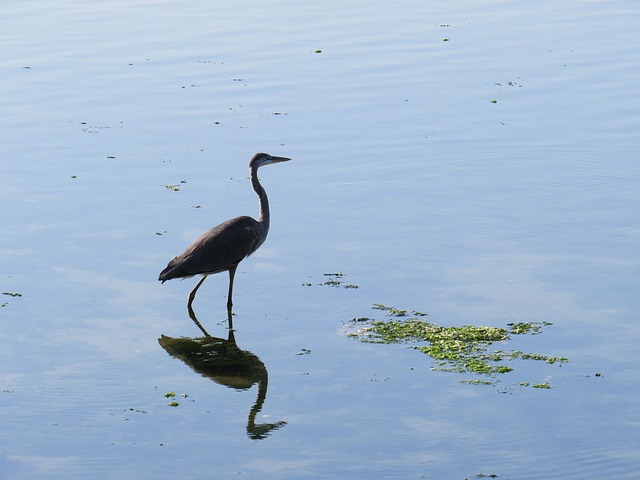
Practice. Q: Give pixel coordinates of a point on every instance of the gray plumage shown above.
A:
(223, 247)
(217, 249)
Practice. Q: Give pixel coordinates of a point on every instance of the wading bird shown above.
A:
(225, 246)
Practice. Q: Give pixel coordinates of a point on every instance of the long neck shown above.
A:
(264, 201)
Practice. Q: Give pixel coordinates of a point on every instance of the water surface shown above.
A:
(474, 162)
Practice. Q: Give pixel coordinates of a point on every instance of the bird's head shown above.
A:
(260, 159)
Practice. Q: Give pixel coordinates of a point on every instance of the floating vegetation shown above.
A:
(332, 280)
(396, 312)
(478, 382)
(172, 395)
(533, 328)
(176, 187)
(541, 385)
(462, 349)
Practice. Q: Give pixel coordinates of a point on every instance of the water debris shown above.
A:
(544, 385)
(510, 83)
(175, 187)
(333, 280)
(136, 410)
(396, 312)
(534, 328)
(465, 349)
(12, 294)
(172, 395)
(86, 128)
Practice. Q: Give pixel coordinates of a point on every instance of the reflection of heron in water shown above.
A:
(223, 362)
(223, 247)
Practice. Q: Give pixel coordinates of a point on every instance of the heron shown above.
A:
(223, 247)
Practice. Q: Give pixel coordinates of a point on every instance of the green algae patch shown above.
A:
(464, 349)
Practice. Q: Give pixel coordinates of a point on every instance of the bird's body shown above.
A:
(217, 249)
(223, 247)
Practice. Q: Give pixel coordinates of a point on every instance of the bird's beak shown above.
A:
(273, 159)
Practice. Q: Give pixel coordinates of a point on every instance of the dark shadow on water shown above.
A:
(226, 364)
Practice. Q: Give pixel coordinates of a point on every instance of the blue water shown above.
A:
(475, 162)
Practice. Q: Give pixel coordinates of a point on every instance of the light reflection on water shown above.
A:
(405, 177)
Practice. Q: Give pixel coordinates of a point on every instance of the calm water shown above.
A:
(473, 161)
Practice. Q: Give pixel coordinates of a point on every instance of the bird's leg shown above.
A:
(230, 318)
(232, 337)
(192, 295)
(232, 273)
